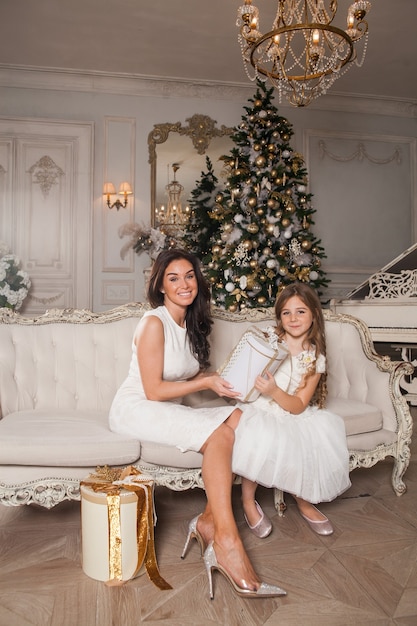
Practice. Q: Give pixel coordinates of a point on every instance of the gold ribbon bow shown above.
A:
(110, 481)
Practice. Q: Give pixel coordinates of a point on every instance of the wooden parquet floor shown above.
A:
(364, 574)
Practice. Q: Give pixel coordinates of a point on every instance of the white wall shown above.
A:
(365, 200)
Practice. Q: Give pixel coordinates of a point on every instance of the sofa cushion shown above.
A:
(169, 456)
(359, 417)
(63, 438)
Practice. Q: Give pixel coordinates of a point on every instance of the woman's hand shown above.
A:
(220, 386)
(266, 384)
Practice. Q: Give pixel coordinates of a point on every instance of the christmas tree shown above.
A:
(201, 227)
(264, 215)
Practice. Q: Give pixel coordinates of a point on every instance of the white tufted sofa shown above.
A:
(59, 373)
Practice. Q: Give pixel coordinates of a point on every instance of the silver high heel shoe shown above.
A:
(193, 534)
(264, 590)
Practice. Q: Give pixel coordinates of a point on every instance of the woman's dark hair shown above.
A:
(316, 333)
(198, 318)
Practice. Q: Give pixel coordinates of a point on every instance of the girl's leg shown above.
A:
(248, 500)
(309, 510)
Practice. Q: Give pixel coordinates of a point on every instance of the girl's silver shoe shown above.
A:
(320, 527)
(263, 527)
(264, 590)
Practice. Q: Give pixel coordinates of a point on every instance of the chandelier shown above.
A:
(304, 53)
(174, 218)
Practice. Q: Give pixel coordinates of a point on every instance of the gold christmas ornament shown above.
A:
(261, 299)
(271, 147)
(252, 228)
(260, 211)
(258, 103)
(305, 244)
(247, 244)
(278, 181)
(269, 228)
(285, 222)
(278, 214)
(267, 251)
(253, 263)
(252, 201)
(271, 203)
(256, 147)
(260, 161)
(232, 308)
(219, 197)
(274, 173)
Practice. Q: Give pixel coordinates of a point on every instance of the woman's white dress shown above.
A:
(306, 454)
(169, 423)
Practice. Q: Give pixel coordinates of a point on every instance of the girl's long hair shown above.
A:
(316, 333)
(198, 317)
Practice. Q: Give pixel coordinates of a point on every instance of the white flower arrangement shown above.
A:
(144, 239)
(14, 282)
(306, 358)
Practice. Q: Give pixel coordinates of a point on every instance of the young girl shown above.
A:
(300, 447)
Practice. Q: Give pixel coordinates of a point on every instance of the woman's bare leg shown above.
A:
(217, 522)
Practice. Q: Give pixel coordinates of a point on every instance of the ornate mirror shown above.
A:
(177, 154)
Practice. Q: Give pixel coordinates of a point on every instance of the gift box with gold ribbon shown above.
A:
(117, 526)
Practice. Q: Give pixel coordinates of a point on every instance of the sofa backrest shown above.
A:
(76, 360)
(64, 359)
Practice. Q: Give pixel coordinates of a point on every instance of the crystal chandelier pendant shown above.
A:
(174, 219)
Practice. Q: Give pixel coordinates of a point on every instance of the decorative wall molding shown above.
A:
(27, 77)
(364, 190)
(116, 292)
(359, 154)
(45, 173)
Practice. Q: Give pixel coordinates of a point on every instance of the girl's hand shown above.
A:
(266, 384)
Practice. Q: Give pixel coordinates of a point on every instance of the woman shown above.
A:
(170, 360)
(300, 447)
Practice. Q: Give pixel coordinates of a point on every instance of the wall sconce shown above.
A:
(124, 190)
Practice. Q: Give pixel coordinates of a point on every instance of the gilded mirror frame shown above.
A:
(201, 129)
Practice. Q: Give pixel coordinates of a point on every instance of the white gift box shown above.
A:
(95, 534)
(251, 357)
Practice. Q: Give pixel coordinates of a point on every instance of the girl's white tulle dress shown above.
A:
(168, 423)
(306, 454)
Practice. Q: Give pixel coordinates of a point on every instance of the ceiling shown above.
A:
(189, 39)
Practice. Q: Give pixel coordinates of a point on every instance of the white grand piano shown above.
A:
(387, 303)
